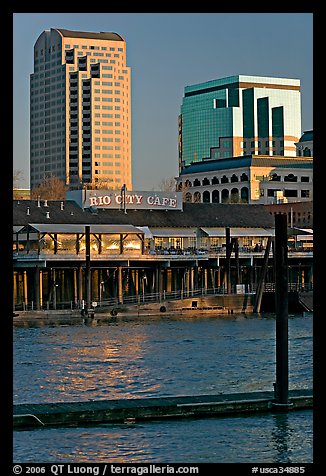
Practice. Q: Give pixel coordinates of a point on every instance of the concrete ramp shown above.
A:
(137, 409)
(306, 300)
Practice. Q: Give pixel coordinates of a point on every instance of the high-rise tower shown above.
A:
(80, 109)
(239, 115)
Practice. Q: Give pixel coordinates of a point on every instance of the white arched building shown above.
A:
(305, 146)
(250, 179)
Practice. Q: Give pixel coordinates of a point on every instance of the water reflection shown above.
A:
(262, 438)
(132, 358)
(156, 357)
(280, 436)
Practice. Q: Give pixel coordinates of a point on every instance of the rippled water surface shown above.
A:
(143, 357)
(154, 357)
(265, 438)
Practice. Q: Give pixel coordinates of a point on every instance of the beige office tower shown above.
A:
(80, 109)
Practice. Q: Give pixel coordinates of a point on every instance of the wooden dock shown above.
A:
(153, 408)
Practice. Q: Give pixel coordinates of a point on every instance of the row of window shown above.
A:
(215, 180)
(216, 196)
(243, 178)
(235, 195)
(93, 47)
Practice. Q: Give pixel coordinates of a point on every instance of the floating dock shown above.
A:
(133, 410)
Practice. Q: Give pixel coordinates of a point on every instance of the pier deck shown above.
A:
(133, 409)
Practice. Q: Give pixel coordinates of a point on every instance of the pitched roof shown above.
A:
(192, 215)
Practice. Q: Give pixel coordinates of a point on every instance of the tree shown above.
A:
(101, 184)
(51, 188)
(167, 185)
(18, 175)
(19, 194)
(170, 185)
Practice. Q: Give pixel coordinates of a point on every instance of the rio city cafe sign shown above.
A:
(133, 200)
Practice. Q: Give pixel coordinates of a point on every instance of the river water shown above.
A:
(163, 356)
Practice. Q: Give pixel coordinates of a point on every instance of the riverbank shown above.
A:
(194, 306)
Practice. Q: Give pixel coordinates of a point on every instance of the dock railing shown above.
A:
(146, 298)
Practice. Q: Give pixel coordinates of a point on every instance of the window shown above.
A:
(290, 178)
(290, 193)
(305, 193)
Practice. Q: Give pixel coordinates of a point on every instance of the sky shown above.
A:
(167, 52)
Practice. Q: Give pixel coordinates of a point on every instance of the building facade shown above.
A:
(147, 250)
(248, 179)
(80, 109)
(305, 146)
(239, 115)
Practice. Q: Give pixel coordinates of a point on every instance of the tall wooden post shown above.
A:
(281, 301)
(261, 283)
(80, 284)
(25, 293)
(37, 287)
(88, 266)
(120, 290)
(228, 259)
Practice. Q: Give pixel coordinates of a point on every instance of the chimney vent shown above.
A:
(61, 206)
(46, 203)
(28, 211)
(47, 215)
(38, 201)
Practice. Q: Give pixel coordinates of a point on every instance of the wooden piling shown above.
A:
(281, 303)
(88, 266)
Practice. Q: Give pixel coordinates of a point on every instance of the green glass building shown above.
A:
(239, 115)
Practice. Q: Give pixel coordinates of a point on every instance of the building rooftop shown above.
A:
(307, 136)
(193, 214)
(244, 81)
(102, 35)
(247, 161)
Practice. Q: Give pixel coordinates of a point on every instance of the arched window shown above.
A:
(188, 197)
(245, 194)
(206, 197)
(275, 178)
(187, 183)
(234, 195)
(225, 195)
(234, 178)
(180, 186)
(205, 181)
(290, 178)
(196, 183)
(197, 198)
(215, 181)
(224, 179)
(306, 152)
(244, 177)
(215, 196)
